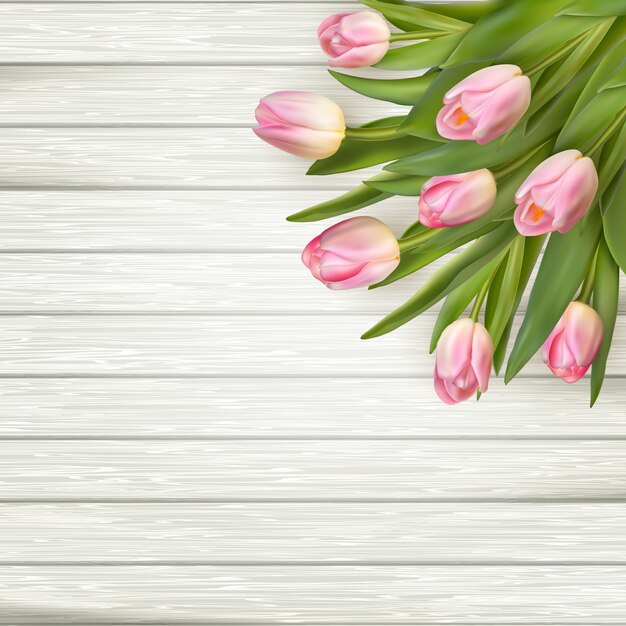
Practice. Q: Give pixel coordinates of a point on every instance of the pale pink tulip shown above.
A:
(354, 253)
(485, 105)
(572, 346)
(456, 199)
(556, 194)
(463, 361)
(354, 39)
(302, 123)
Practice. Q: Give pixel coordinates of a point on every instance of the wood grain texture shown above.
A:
(147, 157)
(318, 408)
(210, 34)
(184, 95)
(313, 470)
(163, 221)
(324, 534)
(543, 595)
(234, 345)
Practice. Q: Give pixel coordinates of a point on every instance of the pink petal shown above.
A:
(334, 268)
(506, 107)
(370, 274)
(470, 199)
(304, 109)
(487, 79)
(459, 394)
(364, 28)
(530, 227)
(548, 171)
(362, 56)
(441, 390)
(329, 22)
(454, 349)
(482, 356)
(313, 247)
(436, 180)
(577, 191)
(303, 142)
(583, 332)
(449, 131)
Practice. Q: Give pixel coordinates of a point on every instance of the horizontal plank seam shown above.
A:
(591, 438)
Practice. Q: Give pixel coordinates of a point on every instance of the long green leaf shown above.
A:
(617, 79)
(561, 272)
(353, 200)
(495, 32)
(413, 229)
(354, 154)
(420, 55)
(614, 219)
(447, 278)
(416, 16)
(596, 7)
(465, 11)
(405, 91)
(605, 302)
(459, 299)
(532, 249)
(613, 158)
(398, 186)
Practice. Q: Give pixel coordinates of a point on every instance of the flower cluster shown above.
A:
(515, 132)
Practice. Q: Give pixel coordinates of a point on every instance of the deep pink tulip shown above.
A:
(572, 346)
(354, 253)
(302, 123)
(485, 105)
(354, 39)
(556, 195)
(463, 361)
(456, 199)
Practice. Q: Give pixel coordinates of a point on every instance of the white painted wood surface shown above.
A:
(191, 431)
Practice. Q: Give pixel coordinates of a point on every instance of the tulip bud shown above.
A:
(556, 195)
(572, 346)
(485, 105)
(463, 361)
(456, 199)
(302, 123)
(354, 39)
(354, 253)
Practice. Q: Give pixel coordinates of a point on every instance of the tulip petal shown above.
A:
(361, 56)
(442, 391)
(313, 247)
(364, 28)
(487, 79)
(470, 200)
(303, 142)
(583, 333)
(576, 193)
(482, 356)
(454, 349)
(334, 268)
(548, 171)
(371, 273)
(304, 109)
(449, 130)
(329, 22)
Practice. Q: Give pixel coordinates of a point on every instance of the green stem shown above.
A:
(418, 34)
(608, 131)
(587, 289)
(480, 298)
(407, 243)
(373, 134)
(555, 56)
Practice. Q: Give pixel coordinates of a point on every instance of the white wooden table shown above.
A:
(191, 431)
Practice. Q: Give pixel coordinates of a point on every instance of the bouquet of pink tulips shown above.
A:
(515, 143)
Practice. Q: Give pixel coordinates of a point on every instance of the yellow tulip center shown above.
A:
(459, 117)
(535, 213)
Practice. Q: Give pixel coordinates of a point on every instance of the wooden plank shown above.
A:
(257, 533)
(227, 346)
(282, 408)
(420, 470)
(184, 95)
(153, 158)
(539, 595)
(193, 32)
(157, 220)
(192, 283)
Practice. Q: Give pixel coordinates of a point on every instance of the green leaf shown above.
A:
(414, 259)
(613, 157)
(447, 278)
(532, 249)
(421, 121)
(501, 303)
(545, 40)
(405, 91)
(459, 299)
(605, 302)
(466, 11)
(558, 75)
(595, 7)
(617, 79)
(416, 17)
(354, 154)
(414, 229)
(420, 55)
(614, 219)
(561, 272)
(580, 131)
(495, 32)
(356, 199)
(398, 186)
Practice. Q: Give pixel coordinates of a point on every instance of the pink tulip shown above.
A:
(463, 361)
(572, 346)
(485, 105)
(354, 39)
(556, 194)
(456, 199)
(301, 123)
(354, 253)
